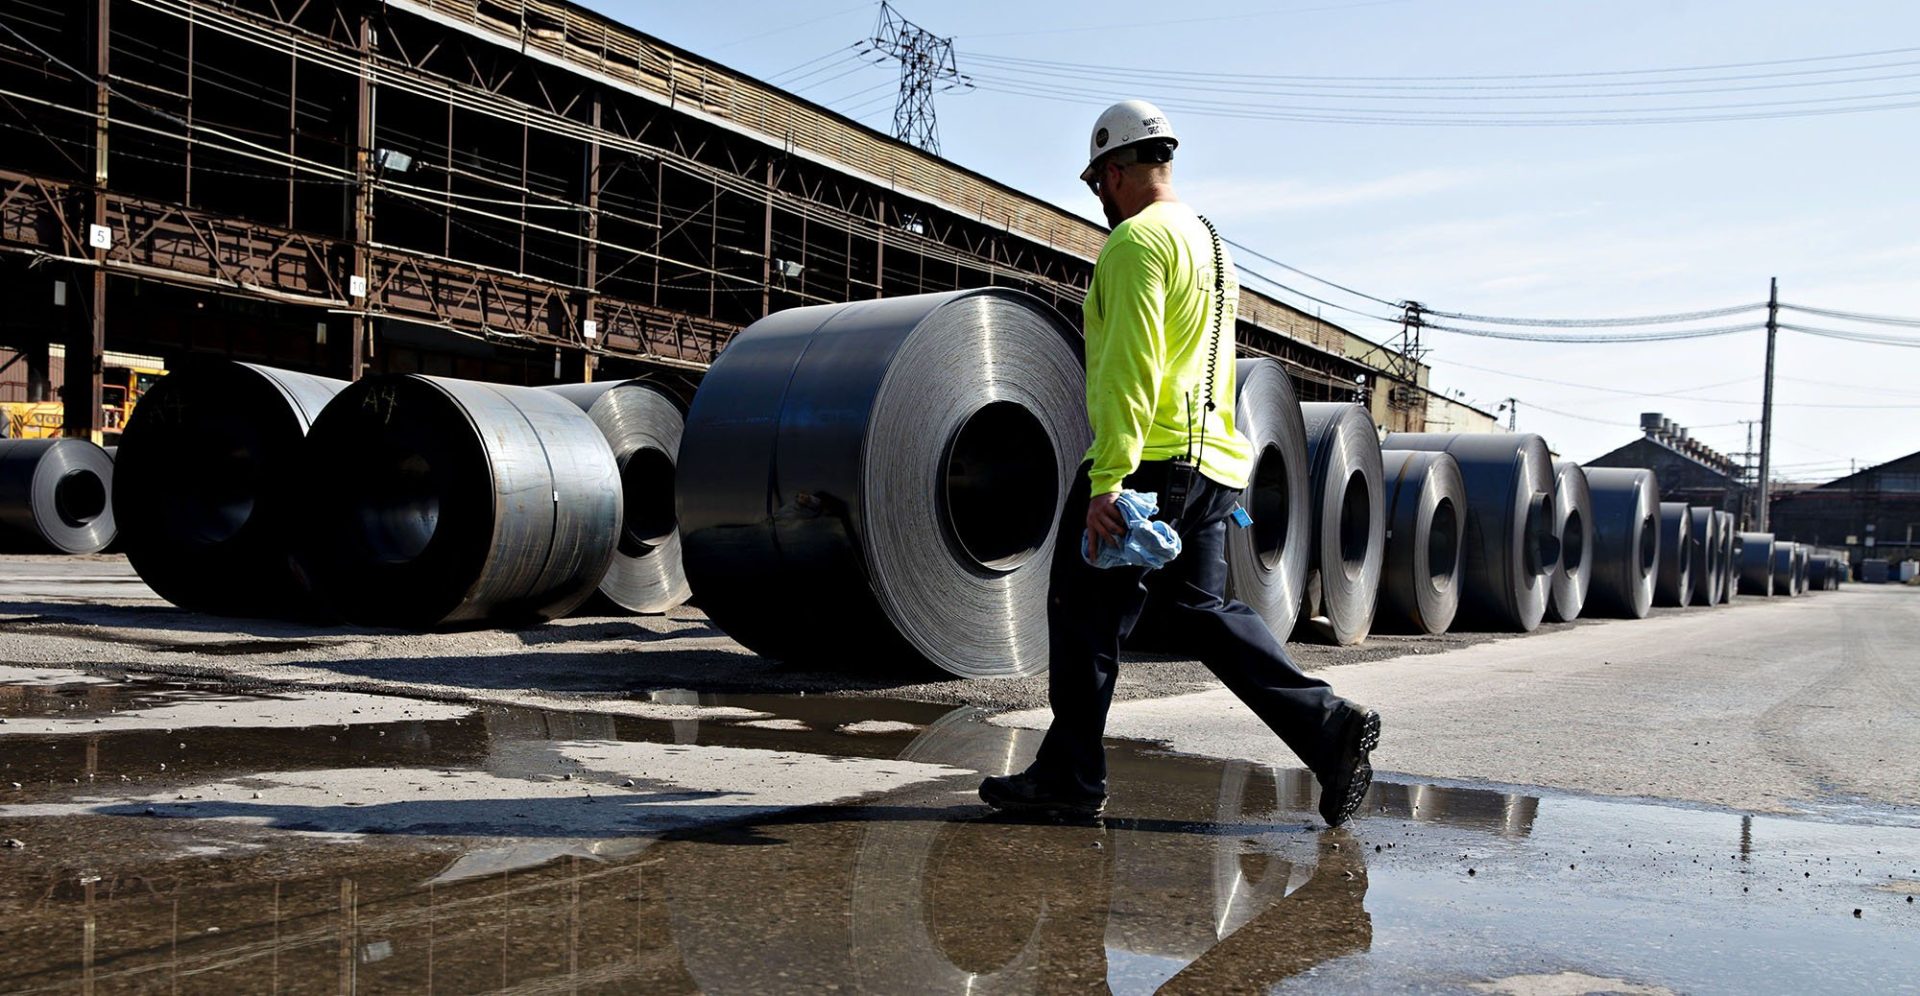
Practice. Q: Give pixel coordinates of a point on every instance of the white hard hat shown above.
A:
(1129, 122)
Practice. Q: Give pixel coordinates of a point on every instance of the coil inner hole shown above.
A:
(398, 505)
(79, 496)
(1573, 543)
(646, 490)
(1270, 500)
(1649, 543)
(1355, 526)
(1002, 485)
(1443, 545)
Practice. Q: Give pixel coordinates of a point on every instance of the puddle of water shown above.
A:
(1207, 877)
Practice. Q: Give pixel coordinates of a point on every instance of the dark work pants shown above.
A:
(1090, 611)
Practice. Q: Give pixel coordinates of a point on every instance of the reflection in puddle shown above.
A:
(1208, 876)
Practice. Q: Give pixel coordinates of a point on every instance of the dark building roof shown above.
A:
(1682, 477)
(1899, 474)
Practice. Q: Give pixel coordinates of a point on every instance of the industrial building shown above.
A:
(1874, 513)
(510, 190)
(1690, 471)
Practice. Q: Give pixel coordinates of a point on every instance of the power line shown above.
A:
(1294, 269)
(1668, 319)
(1148, 72)
(1183, 20)
(1564, 92)
(1851, 336)
(1610, 339)
(1856, 316)
(1678, 393)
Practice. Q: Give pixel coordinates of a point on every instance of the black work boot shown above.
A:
(1028, 794)
(1343, 786)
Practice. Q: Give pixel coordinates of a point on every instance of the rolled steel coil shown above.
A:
(642, 421)
(1673, 585)
(1800, 574)
(1573, 527)
(429, 501)
(55, 496)
(1756, 564)
(1626, 541)
(203, 486)
(1349, 523)
(1426, 526)
(1267, 563)
(1510, 548)
(1707, 567)
(1729, 556)
(885, 478)
(1786, 568)
(1820, 572)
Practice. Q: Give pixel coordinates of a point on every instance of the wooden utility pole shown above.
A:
(1766, 411)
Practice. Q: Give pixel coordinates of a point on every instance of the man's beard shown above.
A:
(1112, 210)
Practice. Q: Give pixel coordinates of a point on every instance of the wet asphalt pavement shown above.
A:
(254, 832)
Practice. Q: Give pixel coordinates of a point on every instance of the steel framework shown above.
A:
(471, 187)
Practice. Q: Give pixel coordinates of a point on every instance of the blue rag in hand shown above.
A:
(1148, 543)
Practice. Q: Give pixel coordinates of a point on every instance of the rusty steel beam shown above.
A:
(87, 338)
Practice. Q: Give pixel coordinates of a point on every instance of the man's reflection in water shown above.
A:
(1322, 920)
(1199, 881)
(1015, 907)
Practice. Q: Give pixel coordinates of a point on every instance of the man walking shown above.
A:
(1159, 339)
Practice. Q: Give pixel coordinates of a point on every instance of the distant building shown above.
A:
(1873, 513)
(1689, 470)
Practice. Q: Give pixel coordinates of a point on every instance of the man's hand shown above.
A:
(1105, 524)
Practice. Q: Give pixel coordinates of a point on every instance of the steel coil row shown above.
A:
(402, 500)
(1573, 527)
(1426, 529)
(878, 484)
(1626, 541)
(1673, 584)
(55, 496)
(1510, 549)
(1348, 520)
(1756, 564)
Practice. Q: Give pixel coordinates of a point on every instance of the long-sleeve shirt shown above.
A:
(1149, 319)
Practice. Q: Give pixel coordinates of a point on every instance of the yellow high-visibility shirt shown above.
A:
(1149, 318)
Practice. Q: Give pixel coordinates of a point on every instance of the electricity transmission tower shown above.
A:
(925, 60)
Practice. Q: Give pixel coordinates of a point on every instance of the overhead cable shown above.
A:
(1595, 323)
(1856, 316)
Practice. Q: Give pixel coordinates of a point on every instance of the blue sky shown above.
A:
(1529, 221)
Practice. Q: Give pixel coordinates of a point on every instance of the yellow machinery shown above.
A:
(124, 378)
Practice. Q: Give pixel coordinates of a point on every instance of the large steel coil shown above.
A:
(1729, 556)
(884, 479)
(1804, 555)
(55, 496)
(1626, 541)
(1673, 586)
(1573, 527)
(1820, 573)
(1267, 563)
(429, 501)
(1349, 527)
(642, 421)
(1756, 564)
(1786, 568)
(1426, 522)
(1708, 570)
(1510, 548)
(203, 486)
